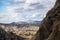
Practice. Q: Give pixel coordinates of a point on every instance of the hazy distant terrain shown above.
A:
(22, 29)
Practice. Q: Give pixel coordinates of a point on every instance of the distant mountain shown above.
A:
(18, 23)
(26, 23)
(35, 23)
(22, 24)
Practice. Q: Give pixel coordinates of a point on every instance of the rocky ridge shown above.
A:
(50, 26)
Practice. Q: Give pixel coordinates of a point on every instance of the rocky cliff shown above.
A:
(8, 35)
(17, 31)
(50, 27)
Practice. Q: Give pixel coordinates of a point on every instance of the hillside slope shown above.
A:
(8, 35)
(17, 31)
(50, 27)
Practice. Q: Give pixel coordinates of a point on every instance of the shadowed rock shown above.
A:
(8, 35)
(50, 27)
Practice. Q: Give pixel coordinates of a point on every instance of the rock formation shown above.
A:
(50, 27)
(8, 35)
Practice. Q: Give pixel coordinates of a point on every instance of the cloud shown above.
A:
(24, 10)
(37, 5)
(31, 1)
(10, 16)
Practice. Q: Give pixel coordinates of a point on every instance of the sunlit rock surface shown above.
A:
(16, 31)
(8, 35)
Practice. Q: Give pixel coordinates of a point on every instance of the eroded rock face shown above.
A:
(55, 35)
(50, 27)
(8, 35)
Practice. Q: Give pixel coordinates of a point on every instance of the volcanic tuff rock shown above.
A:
(50, 27)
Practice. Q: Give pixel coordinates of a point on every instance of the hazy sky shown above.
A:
(24, 10)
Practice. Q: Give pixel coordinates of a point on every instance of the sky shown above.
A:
(24, 10)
